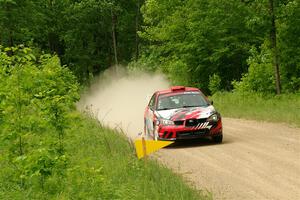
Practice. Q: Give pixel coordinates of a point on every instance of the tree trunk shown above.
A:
(274, 47)
(114, 40)
(11, 40)
(53, 37)
(10, 31)
(136, 30)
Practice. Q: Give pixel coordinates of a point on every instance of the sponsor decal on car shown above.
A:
(201, 125)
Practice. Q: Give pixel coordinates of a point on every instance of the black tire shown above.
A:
(218, 139)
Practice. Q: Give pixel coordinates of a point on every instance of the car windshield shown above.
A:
(181, 100)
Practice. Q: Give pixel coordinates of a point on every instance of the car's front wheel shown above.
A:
(218, 138)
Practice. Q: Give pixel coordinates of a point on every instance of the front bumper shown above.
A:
(182, 132)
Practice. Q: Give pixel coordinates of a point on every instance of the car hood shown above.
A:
(186, 113)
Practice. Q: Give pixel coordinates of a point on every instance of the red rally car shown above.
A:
(182, 113)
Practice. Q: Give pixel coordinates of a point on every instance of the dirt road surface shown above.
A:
(257, 160)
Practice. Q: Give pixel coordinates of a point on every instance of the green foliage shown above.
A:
(260, 76)
(199, 38)
(175, 67)
(39, 165)
(188, 40)
(202, 38)
(79, 32)
(290, 45)
(36, 96)
(144, 63)
(15, 20)
(214, 83)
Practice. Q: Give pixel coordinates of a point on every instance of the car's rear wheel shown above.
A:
(218, 138)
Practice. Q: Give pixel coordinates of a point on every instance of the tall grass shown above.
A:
(283, 108)
(102, 165)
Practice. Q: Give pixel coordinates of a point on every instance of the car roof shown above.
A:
(177, 89)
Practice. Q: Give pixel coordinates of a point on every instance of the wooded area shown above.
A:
(247, 44)
(88, 36)
(221, 41)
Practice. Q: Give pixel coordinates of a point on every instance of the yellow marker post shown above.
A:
(145, 147)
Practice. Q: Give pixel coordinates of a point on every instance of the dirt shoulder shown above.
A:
(258, 160)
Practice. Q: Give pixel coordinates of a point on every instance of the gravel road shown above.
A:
(257, 160)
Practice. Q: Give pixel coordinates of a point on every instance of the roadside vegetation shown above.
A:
(100, 164)
(50, 151)
(283, 108)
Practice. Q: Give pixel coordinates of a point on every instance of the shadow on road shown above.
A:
(196, 143)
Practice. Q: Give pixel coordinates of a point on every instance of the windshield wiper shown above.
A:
(165, 108)
(191, 106)
(194, 106)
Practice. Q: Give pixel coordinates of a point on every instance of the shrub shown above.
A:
(214, 83)
(260, 76)
(37, 93)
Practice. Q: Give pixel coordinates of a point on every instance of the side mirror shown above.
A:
(212, 102)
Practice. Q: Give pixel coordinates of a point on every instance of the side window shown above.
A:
(152, 102)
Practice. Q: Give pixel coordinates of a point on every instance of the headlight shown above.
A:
(166, 122)
(214, 117)
(157, 122)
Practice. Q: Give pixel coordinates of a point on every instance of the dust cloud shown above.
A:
(118, 99)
